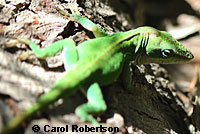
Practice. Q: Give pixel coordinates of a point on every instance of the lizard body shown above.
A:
(100, 61)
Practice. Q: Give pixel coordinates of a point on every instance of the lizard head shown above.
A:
(162, 48)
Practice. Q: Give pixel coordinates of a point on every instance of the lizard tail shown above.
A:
(48, 98)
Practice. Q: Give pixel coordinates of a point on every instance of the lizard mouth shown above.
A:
(176, 59)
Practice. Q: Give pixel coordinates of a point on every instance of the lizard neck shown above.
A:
(133, 50)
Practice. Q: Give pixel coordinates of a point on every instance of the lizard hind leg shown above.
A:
(95, 104)
(68, 47)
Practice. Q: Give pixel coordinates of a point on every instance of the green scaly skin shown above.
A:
(99, 61)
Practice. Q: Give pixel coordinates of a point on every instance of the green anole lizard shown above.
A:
(98, 62)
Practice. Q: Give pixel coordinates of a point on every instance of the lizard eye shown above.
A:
(165, 52)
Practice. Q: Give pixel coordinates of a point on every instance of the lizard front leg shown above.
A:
(95, 104)
(86, 23)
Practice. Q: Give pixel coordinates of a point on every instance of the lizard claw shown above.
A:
(25, 56)
(74, 12)
(74, 9)
(63, 12)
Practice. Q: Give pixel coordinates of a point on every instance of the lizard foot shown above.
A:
(74, 12)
